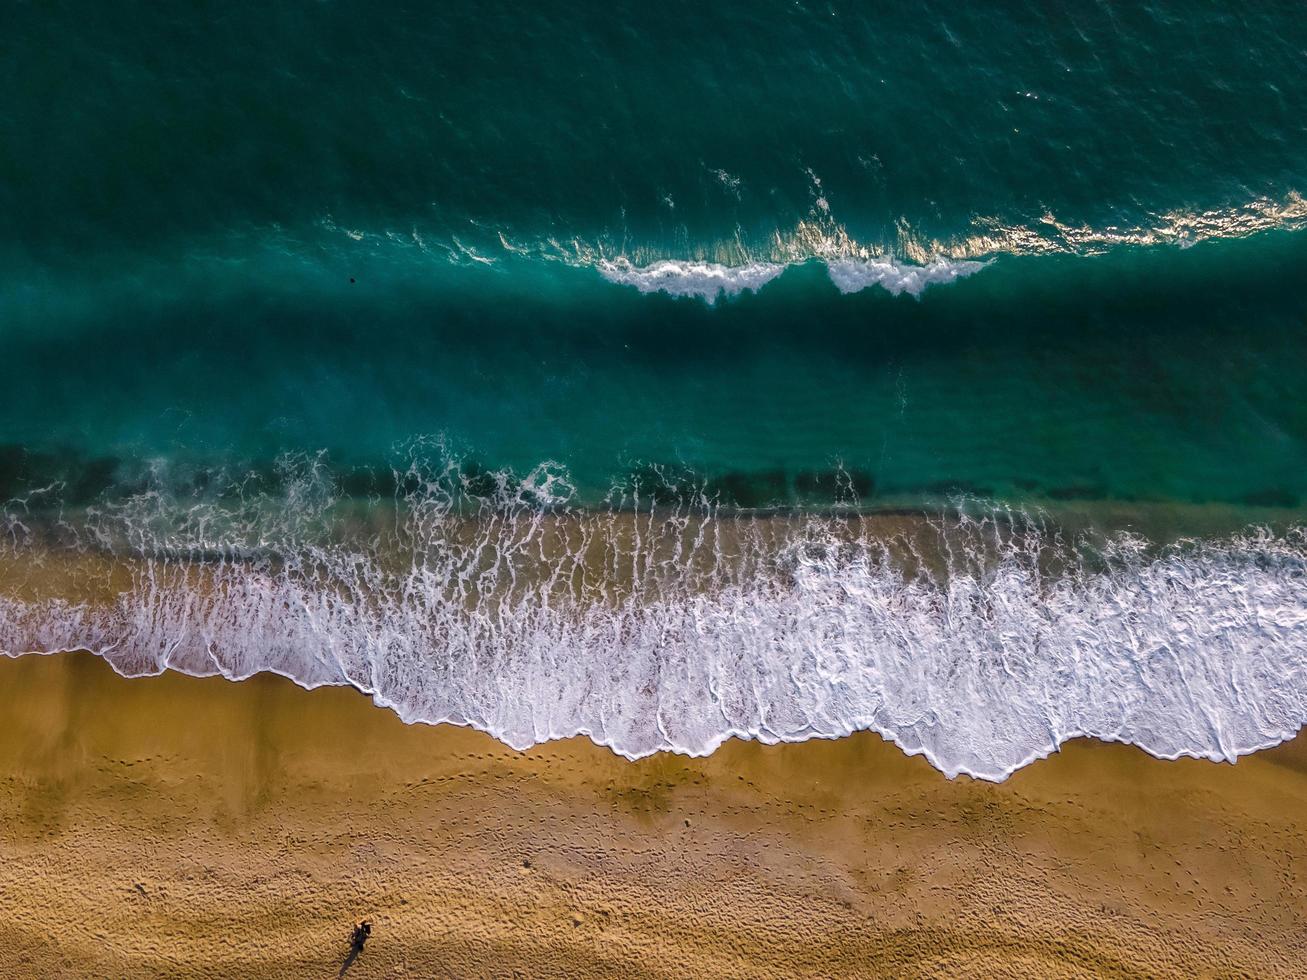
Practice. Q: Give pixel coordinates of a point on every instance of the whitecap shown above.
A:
(852, 275)
(706, 280)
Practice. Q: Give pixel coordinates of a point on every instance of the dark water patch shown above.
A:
(1271, 497)
(1083, 491)
(835, 484)
(749, 490)
(77, 479)
(368, 481)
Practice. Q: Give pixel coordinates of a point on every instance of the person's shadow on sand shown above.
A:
(361, 933)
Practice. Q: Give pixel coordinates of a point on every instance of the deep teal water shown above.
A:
(128, 126)
(231, 231)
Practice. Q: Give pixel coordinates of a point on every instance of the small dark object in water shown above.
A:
(361, 933)
(351, 278)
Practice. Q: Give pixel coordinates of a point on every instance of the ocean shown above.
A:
(668, 373)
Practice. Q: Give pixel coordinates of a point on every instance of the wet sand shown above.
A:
(183, 827)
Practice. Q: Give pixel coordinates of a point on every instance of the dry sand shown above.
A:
(181, 827)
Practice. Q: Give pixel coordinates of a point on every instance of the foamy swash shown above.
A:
(983, 642)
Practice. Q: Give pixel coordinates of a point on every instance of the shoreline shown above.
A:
(261, 820)
(980, 647)
(733, 736)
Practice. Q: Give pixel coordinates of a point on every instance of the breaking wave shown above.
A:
(710, 280)
(906, 261)
(706, 280)
(982, 638)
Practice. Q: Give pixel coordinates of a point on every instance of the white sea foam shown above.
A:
(707, 280)
(852, 275)
(711, 280)
(981, 642)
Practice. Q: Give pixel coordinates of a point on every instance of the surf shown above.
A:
(982, 637)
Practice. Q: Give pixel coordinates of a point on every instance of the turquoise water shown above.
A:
(1142, 374)
(718, 260)
(231, 232)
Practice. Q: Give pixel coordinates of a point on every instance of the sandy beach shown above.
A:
(653, 490)
(174, 826)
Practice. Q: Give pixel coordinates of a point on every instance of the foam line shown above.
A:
(674, 631)
(854, 275)
(710, 280)
(706, 280)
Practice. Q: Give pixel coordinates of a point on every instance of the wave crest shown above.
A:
(710, 281)
(855, 275)
(706, 280)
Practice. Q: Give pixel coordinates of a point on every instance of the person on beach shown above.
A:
(361, 933)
